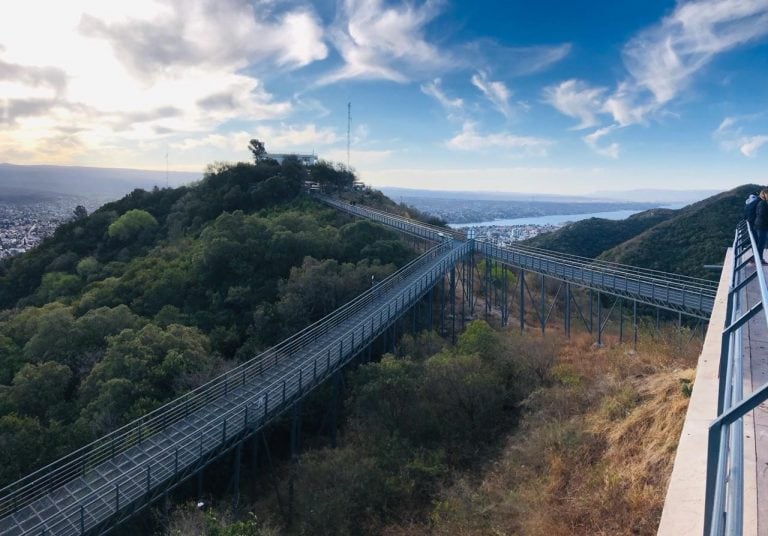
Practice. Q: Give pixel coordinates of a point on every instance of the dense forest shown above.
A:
(590, 237)
(136, 303)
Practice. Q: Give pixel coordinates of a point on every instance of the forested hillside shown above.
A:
(590, 237)
(697, 235)
(128, 307)
(677, 241)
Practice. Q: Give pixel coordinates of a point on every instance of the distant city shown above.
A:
(24, 223)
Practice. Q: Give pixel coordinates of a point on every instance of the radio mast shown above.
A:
(349, 125)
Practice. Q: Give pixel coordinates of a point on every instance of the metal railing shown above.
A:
(680, 293)
(77, 463)
(412, 227)
(687, 295)
(724, 499)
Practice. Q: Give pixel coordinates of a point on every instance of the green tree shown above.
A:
(132, 224)
(38, 389)
(257, 150)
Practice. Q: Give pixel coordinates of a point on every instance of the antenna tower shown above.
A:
(349, 124)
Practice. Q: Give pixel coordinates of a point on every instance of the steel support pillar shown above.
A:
(236, 477)
(452, 289)
(522, 299)
(567, 311)
(634, 324)
(599, 320)
(334, 405)
(542, 306)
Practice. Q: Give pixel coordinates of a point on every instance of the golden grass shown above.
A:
(593, 454)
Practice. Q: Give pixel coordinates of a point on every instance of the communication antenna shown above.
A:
(349, 125)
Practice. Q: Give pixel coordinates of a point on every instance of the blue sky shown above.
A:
(548, 96)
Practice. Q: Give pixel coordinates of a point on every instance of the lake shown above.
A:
(554, 219)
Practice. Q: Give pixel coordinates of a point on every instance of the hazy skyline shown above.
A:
(561, 97)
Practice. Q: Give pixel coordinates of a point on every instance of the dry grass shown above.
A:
(593, 454)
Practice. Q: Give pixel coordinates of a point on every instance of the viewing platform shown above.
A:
(733, 366)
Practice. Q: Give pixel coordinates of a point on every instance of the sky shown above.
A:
(548, 96)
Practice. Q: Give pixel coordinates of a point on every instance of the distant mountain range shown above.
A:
(90, 182)
(658, 196)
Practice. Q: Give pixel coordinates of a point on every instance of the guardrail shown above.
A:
(413, 227)
(724, 498)
(687, 295)
(690, 295)
(77, 463)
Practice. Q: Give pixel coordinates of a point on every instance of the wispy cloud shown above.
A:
(487, 54)
(611, 150)
(469, 139)
(732, 135)
(278, 138)
(495, 91)
(434, 90)
(576, 99)
(664, 58)
(377, 41)
(661, 62)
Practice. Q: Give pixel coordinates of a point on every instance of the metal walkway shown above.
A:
(687, 295)
(97, 486)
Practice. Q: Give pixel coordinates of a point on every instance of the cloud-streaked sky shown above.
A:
(548, 96)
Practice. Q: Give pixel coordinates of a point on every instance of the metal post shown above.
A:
(634, 324)
(522, 300)
(452, 288)
(542, 306)
(567, 311)
(236, 481)
(599, 320)
(334, 404)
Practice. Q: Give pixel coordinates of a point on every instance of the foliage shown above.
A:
(413, 422)
(151, 295)
(699, 234)
(590, 237)
(131, 224)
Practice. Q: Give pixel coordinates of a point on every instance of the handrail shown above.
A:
(58, 472)
(724, 496)
(647, 274)
(685, 294)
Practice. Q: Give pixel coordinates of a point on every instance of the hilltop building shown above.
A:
(306, 159)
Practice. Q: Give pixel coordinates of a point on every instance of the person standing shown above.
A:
(750, 209)
(761, 225)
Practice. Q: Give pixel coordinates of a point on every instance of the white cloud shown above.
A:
(611, 150)
(277, 139)
(434, 90)
(470, 140)
(664, 58)
(494, 91)
(383, 42)
(731, 135)
(576, 99)
(127, 74)
(750, 144)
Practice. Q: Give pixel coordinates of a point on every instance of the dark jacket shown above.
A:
(750, 209)
(761, 215)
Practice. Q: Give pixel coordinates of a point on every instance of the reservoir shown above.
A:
(553, 219)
